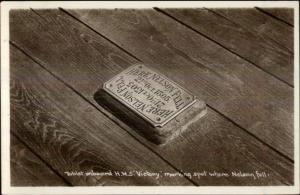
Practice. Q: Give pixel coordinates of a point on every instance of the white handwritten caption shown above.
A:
(252, 175)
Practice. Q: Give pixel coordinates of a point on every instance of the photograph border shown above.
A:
(5, 100)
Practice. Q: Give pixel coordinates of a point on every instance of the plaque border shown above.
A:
(155, 124)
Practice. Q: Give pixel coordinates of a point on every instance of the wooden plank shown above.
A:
(28, 170)
(263, 52)
(212, 144)
(225, 81)
(73, 136)
(261, 25)
(284, 14)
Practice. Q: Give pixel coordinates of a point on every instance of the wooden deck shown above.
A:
(240, 62)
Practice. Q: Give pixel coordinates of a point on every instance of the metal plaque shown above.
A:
(149, 94)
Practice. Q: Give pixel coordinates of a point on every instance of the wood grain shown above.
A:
(71, 135)
(28, 170)
(284, 14)
(56, 40)
(259, 103)
(261, 51)
(262, 25)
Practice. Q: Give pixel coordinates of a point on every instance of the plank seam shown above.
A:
(243, 129)
(220, 15)
(95, 31)
(92, 104)
(37, 13)
(251, 134)
(207, 37)
(274, 17)
(40, 158)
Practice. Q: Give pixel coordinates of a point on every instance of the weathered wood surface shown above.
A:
(250, 97)
(72, 135)
(262, 25)
(28, 170)
(263, 52)
(88, 60)
(284, 14)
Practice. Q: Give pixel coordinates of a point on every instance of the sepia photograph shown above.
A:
(150, 95)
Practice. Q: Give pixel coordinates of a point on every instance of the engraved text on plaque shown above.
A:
(149, 94)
